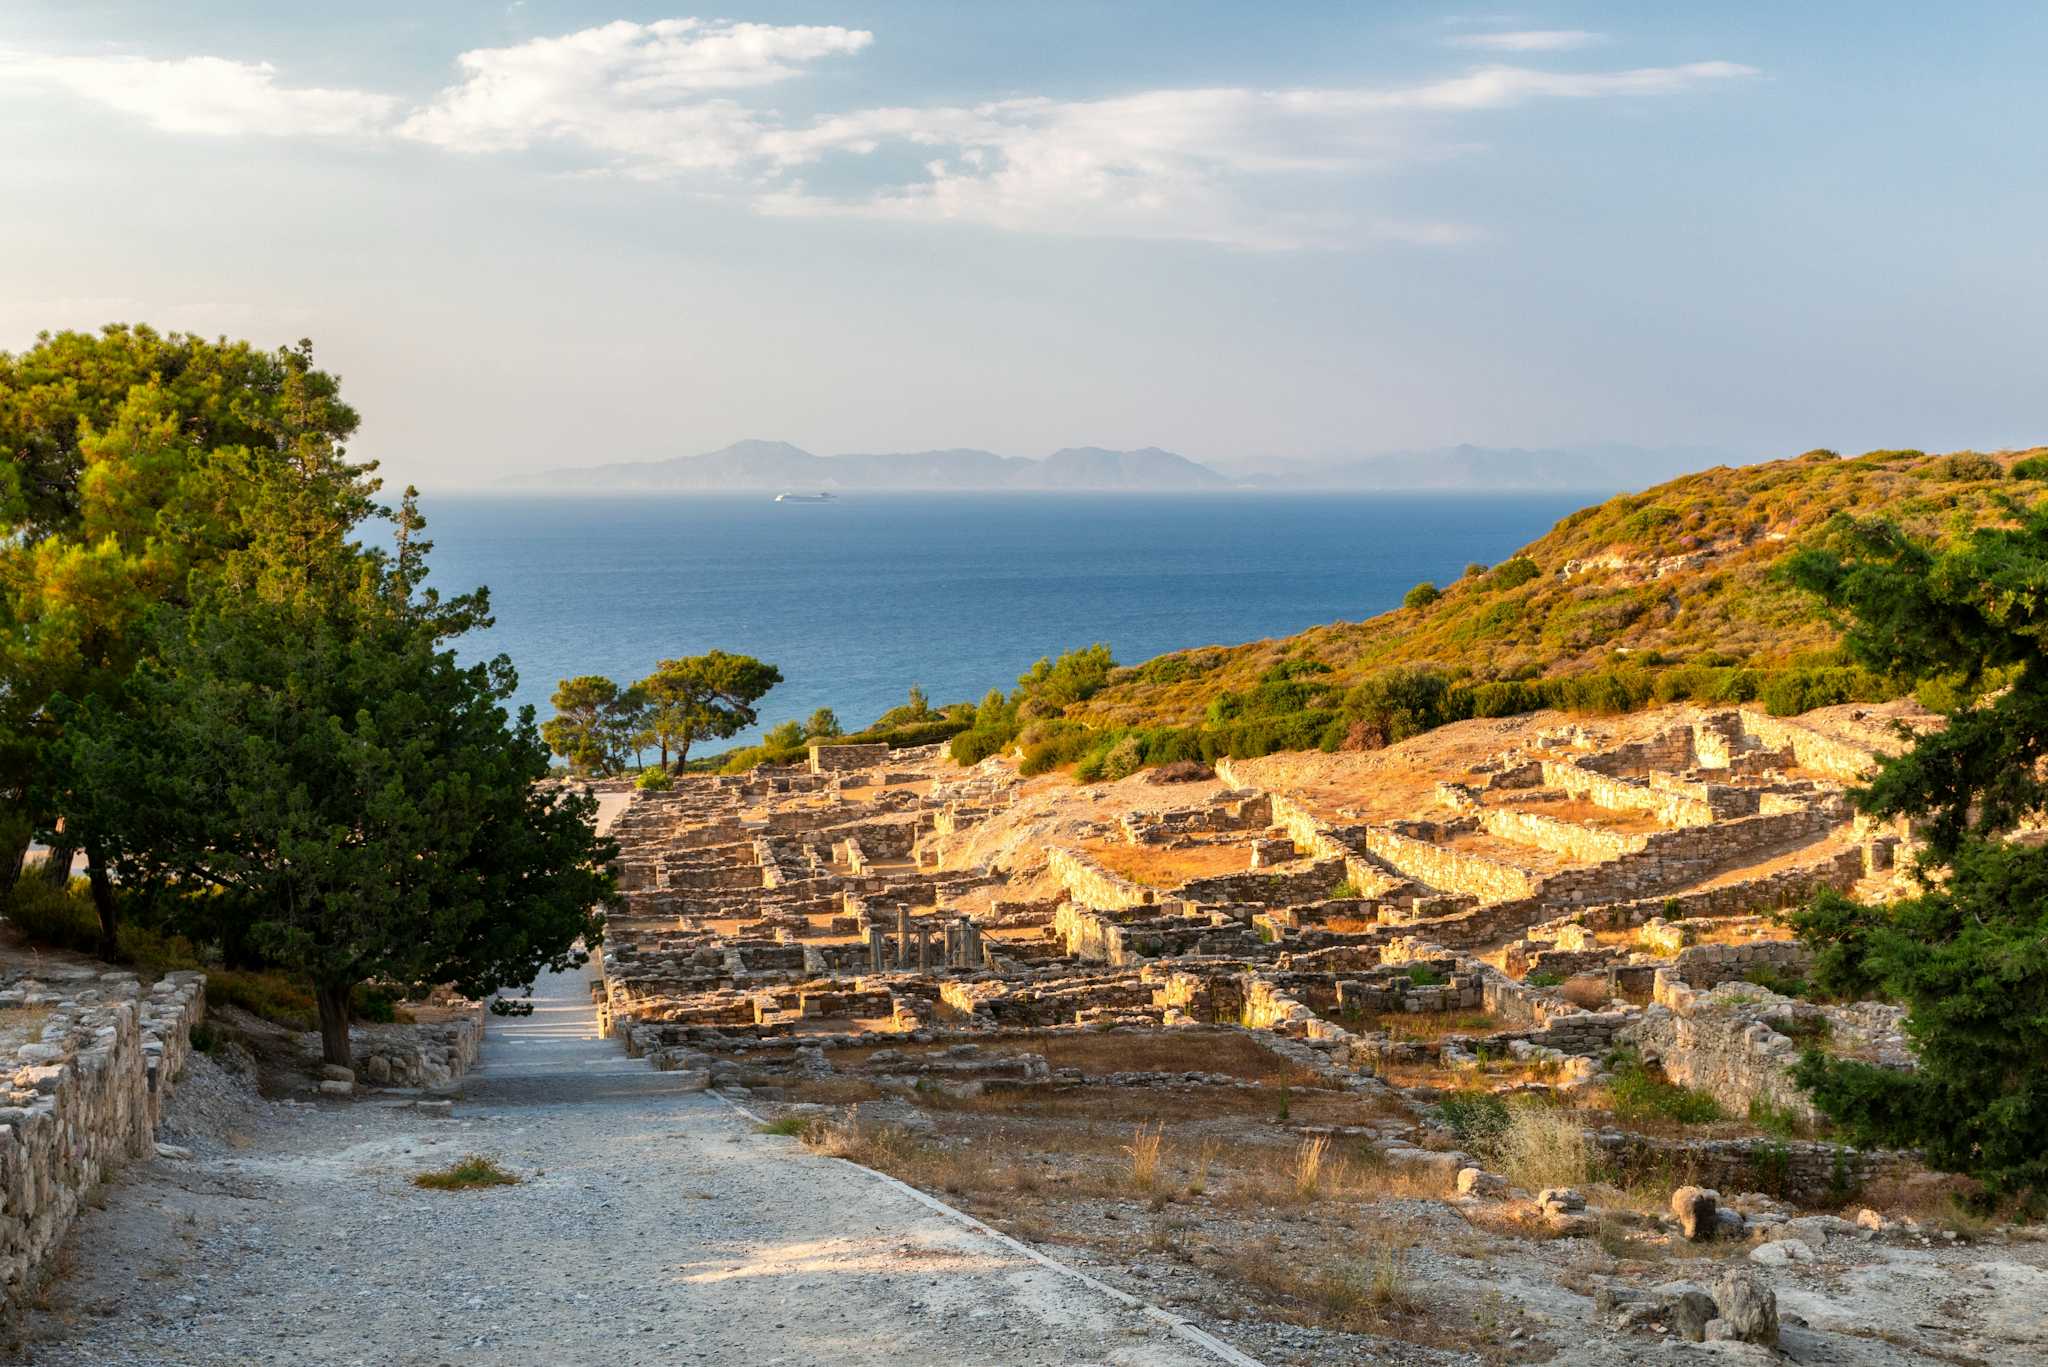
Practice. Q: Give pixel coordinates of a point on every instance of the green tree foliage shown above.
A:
(823, 725)
(132, 459)
(1421, 596)
(1969, 955)
(303, 739)
(595, 723)
(704, 697)
(788, 736)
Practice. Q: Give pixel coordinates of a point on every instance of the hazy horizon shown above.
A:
(554, 233)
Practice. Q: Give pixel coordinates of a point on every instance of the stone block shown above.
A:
(1748, 1306)
(1696, 1209)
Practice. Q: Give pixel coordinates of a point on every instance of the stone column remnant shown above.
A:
(903, 934)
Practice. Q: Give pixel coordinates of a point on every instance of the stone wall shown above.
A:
(826, 759)
(85, 1098)
(1093, 885)
(1839, 760)
(1803, 1172)
(428, 1054)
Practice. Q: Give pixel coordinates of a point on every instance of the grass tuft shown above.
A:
(468, 1173)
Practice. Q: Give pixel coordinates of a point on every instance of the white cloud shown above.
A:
(680, 98)
(657, 97)
(206, 95)
(1218, 165)
(1531, 40)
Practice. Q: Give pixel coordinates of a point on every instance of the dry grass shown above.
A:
(470, 1172)
(1542, 1146)
(1426, 1025)
(1159, 866)
(1308, 1165)
(1144, 1151)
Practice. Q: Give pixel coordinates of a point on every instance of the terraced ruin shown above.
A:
(1336, 992)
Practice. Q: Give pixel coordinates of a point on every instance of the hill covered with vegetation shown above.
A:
(1669, 594)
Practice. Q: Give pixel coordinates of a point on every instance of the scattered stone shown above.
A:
(1779, 1252)
(1691, 1312)
(1479, 1182)
(1748, 1306)
(1696, 1209)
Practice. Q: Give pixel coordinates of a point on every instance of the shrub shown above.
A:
(654, 781)
(972, 747)
(1964, 465)
(1422, 595)
(1476, 1118)
(1401, 702)
(1123, 759)
(1512, 574)
(1643, 1094)
(2033, 467)
(1424, 976)
(60, 918)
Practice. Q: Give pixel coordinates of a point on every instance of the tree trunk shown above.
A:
(57, 868)
(334, 1002)
(12, 852)
(682, 753)
(103, 902)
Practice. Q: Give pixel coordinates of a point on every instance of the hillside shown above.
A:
(777, 465)
(1677, 574)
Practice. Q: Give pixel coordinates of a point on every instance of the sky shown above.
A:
(555, 233)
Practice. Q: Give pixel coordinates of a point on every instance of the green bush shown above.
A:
(1512, 574)
(1476, 1118)
(2033, 467)
(654, 781)
(1641, 1094)
(1422, 595)
(1964, 465)
(59, 918)
(972, 747)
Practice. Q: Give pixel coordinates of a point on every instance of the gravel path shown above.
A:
(652, 1226)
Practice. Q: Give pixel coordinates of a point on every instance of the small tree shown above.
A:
(595, 723)
(1422, 595)
(703, 697)
(1968, 955)
(823, 725)
(303, 740)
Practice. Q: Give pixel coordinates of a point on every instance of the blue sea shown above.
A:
(858, 599)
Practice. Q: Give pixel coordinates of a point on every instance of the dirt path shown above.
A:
(652, 1226)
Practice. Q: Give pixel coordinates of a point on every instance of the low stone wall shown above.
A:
(85, 1099)
(1093, 885)
(1449, 869)
(1622, 795)
(1704, 966)
(1838, 760)
(430, 1054)
(1803, 1172)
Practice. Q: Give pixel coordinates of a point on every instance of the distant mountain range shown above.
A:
(766, 465)
(774, 466)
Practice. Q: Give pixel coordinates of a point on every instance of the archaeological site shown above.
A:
(1475, 1048)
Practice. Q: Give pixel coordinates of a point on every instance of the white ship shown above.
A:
(803, 498)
